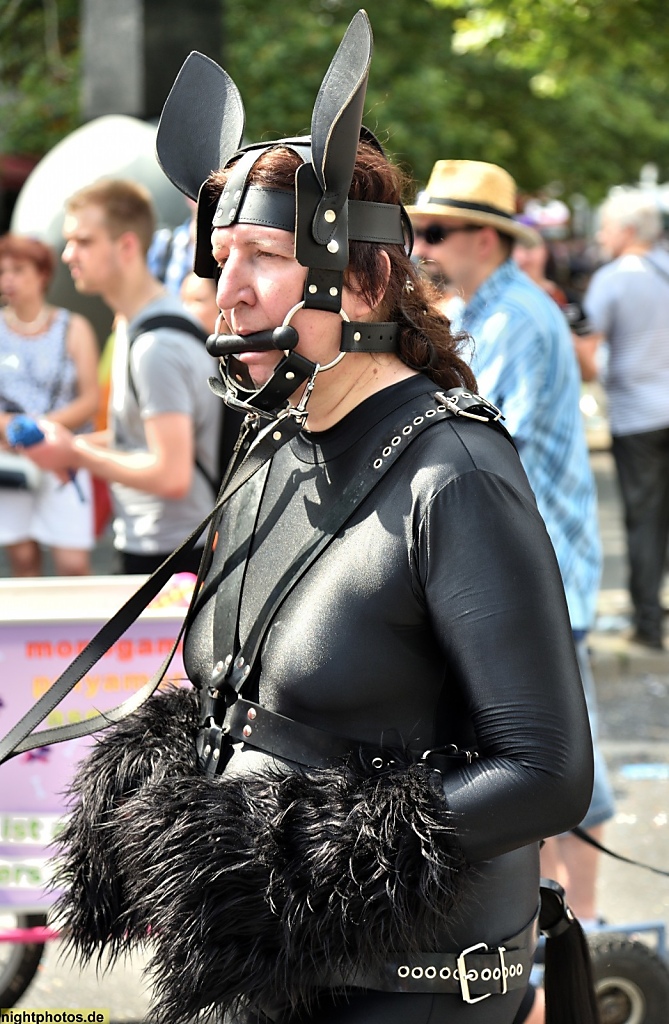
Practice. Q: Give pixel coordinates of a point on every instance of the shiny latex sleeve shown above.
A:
(496, 602)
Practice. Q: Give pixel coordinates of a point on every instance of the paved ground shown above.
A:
(633, 686)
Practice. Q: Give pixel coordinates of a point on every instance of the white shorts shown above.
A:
(54, 514)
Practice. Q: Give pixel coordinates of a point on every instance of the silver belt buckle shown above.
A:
(464, 979)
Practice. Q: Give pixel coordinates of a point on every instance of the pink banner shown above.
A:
(32, 785)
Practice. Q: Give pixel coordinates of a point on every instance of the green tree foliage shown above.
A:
(568, 91)
(423, 100)
(599, 70)
(39, 62)
(562, 38)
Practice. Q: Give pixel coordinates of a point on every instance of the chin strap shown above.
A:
(238, 391)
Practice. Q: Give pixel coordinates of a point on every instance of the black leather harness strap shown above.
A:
(235, 666)
(474, 974)
(369, 337)
(273, 207)
(292, 371)
(283, 737)
(250, 723)
(22, 736)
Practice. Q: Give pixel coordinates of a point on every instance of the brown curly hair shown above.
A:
(426, 340)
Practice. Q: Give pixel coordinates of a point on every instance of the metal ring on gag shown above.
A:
(289, 316)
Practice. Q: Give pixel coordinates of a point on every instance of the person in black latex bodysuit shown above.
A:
(436, 616)
(279, 884)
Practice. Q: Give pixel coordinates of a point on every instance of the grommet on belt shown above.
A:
(475, 973)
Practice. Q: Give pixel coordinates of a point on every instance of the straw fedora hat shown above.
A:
(474, 191)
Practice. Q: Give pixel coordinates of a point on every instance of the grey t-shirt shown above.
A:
(628, 301)
(170, 370)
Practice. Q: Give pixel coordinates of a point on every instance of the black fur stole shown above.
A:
(253, 888)
(156, 742)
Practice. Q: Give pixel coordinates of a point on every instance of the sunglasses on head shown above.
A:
(433, 234)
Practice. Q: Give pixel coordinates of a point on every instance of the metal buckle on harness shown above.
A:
(451, 750)
(209, 746)
(464, 977)
(453, 405)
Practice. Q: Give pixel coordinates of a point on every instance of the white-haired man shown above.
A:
(628, 305)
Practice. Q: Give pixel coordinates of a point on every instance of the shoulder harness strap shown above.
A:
(232, 674)
(233, 670)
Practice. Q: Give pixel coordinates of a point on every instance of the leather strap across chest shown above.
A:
(250, 723)
(25, 734)
(234, 667)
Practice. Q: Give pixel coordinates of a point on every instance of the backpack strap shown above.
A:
(172, 322)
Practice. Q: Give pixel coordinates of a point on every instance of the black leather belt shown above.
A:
(475, 973)
(315, 748)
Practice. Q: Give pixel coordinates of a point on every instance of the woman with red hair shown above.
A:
(48, 368)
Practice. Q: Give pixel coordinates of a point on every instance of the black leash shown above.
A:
(22, 736)
(582, 834)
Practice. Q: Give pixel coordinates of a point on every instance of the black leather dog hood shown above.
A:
(201, 130)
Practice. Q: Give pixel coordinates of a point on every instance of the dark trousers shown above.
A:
(357, 1006)
(642, 463)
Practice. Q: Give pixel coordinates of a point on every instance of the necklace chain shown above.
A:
(27, 325)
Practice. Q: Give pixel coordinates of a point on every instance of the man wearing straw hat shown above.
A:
(464, 197)
(524, 361)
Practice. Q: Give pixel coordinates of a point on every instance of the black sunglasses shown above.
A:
(433, 234)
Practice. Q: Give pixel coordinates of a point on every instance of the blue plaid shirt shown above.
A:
(524, 363)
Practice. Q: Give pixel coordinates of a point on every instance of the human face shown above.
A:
(198, 295)
(260, 281)
(442, 244)
(90, 253)
(531, 259)
(613, 238)
(21, 283)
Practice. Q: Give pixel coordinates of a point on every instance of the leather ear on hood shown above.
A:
(201, 125)
(201, 129)
(336, 122)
